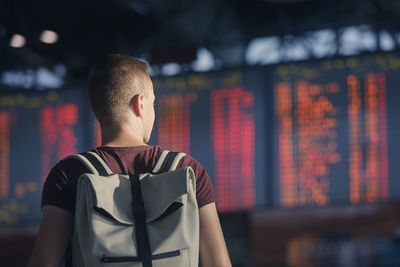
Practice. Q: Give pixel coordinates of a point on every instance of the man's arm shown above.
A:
(213, 252)
(53, 237)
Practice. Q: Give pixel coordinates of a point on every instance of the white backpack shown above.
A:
(144, 220)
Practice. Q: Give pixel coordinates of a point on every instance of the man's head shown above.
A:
(119, 86)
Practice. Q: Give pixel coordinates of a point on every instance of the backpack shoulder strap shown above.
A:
(93, 162)
(168, 161)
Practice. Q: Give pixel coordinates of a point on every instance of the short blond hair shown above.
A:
(113, 83)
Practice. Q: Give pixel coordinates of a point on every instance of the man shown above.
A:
(122, 99)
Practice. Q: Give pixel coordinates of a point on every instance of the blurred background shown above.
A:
(291, 105)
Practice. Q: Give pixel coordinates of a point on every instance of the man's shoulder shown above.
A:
(188, 160)
(66, 162)
(71, 164)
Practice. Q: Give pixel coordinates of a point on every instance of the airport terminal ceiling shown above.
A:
(170, 30)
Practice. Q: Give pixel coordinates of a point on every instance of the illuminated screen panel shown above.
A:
(57, 134)
(37, 129)
(5, 123)
(232, 123)
(335, 123)
(213, 117)
(174, 120)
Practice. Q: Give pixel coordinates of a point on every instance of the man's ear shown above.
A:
(137, 104)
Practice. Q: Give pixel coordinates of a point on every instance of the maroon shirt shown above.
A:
(61, 183)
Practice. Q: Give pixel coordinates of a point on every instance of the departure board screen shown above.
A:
(218, 118)
(336, 124)
(292, 135)
(37, 129)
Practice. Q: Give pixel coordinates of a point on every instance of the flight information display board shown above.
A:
(37, 129)
(336, 124)
(219, 119)
(292, 135)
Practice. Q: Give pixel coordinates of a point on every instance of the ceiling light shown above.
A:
(49, 37)
(17, 41)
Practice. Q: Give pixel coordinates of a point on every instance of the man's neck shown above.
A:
(120, 136)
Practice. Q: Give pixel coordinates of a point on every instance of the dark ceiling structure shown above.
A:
(169, 30)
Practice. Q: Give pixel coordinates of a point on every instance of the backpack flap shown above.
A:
(161, 191)
(111, 195)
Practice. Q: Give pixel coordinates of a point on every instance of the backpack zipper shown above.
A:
(107, 259)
